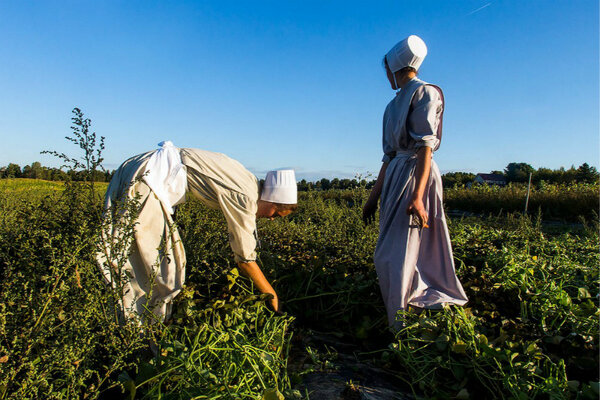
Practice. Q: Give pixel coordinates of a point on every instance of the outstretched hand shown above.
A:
(253, 271)
(273, 304)
(369, 210)
(417, 208)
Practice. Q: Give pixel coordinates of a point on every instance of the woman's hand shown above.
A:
(417, 208)
(253, 271)
(370, 207)
(369, 210)
(274, 304)
(422, 173)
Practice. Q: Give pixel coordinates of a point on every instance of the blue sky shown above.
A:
(299, 84)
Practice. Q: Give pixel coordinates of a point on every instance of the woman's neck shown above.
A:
(405, 78)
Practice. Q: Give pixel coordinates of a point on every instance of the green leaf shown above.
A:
(583, 293)
(459, 347)
(428, 323)
(458, 371)
(532, 348)
(292, 394)
(565, 299)
(553, 339)
(483, 340)
(146, 371)
(463, 394)
(442, 342)
(590, 391)
(232, 277)
(272, 394)
(128, 384)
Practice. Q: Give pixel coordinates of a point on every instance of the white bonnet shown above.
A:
(409, 52)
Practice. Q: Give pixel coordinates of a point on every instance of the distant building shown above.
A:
(490, 179)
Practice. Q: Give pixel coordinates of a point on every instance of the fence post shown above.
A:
(528, 189)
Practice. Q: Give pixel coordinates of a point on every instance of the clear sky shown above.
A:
(299, 83)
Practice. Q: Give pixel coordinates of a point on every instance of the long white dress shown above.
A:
(154, 268)
(414, 265)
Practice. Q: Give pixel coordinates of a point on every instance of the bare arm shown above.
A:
(253, 271)
(370, 206)
(422, 171)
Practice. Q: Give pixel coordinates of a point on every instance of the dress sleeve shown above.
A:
(425, 117)
(388, 153)
(240, 214)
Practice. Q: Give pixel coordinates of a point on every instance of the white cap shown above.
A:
(409, 52)
(280, 187)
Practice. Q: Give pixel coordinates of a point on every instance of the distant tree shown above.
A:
(347, 183)
(587, 174)
(98, 176)
(303, 185)
(518, 172)
(27, 172)
(498, 173)
(36, 170)
(108, 175)
(545, 174)
(12, 171)
(33, 171)
(452, 179)
(58, 175)
(74, 175)
(569, 176)
(325, 184)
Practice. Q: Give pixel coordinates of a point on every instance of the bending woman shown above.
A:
(155, 266)
(413, 256)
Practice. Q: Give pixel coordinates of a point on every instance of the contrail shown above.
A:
(479, 9)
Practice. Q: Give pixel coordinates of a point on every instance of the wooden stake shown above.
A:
(528, 189)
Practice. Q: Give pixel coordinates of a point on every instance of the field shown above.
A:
(530, 329)
(559, 202)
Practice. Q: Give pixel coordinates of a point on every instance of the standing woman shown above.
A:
(413, 257)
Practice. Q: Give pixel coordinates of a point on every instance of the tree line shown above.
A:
(37, 171)
(335, 183)
(514, 172)
(519, 173)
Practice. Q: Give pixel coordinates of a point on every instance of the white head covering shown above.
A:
(166, 175)
(280, 187)
(409, 52)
